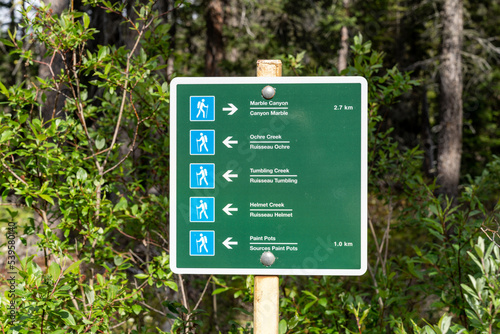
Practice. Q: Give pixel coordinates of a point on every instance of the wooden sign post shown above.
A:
(252, 161)
(266, 288)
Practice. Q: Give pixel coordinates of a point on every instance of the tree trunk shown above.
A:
(344, 41)
(450, 135)
(215, 44)
(172, 32)
(426, 137)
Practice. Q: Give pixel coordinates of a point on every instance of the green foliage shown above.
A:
(97, 216)
(483, 294)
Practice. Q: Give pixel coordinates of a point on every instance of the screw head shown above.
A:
(267, 259)
(268, 92)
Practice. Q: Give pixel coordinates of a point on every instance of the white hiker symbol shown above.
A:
(202, 142)
(203, 240)
(201, 105)
(202, 176)
(203, 210)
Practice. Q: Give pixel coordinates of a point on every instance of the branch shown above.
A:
(198, 302)
(132, 146)
(14, 204)
(183, 292)
(152, 309)
(81, 116)
(96, 154)
(124, 96)
(14, 174)
(149, 241)
(488, 236)
(118, 325)
(377, 246)
(203, 293)
(170, 10)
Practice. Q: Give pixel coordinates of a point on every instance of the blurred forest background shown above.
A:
(84, 151)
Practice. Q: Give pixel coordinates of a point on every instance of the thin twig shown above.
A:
(152, 309)
(372, 229)
(197, 303)
(96, 154)
(73, 300)
(132, 146)
(124, 96)
(375, 283)
(386, 236)
(118, 325)
(13, 204)
(183, 292)
(488, 236)
(14, 174)
(131, 237)
(203, 293)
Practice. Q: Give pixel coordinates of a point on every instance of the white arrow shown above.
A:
(228, 243)
(228, 142)
(227, 175)
(227, 209)
(231, 108)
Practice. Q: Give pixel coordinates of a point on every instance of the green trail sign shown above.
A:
(284, 176)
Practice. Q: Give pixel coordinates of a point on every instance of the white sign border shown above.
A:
(268, 80)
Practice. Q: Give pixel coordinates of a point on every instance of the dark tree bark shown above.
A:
(215, 44)
(450, 135)
(173, 40)
(426, 137)
(344, 41)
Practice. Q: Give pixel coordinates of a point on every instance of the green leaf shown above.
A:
(47, 198)
(137, 309)
(363, 317)
(292, 323)
(444, 323)
(54, 270)
(86, 20)
(107, 68)
(100, 142)
(141, 276)
(308, 306)
(117, 260)
(219, 290)
(4, 89)
(22, 118)
(81, 174)
(121, 205)
(73, 268)
(101, 280)
(102, 53)
(172, 285)
(300, 56)
(67, 317)
(6, 135)
(7, 42)
(90, 294)
(283, 326)
(164, 87)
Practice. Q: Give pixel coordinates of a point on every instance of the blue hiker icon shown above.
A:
(202, 176)
(202, 243)
(202, 142)
(202, 209)
(202, 108)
